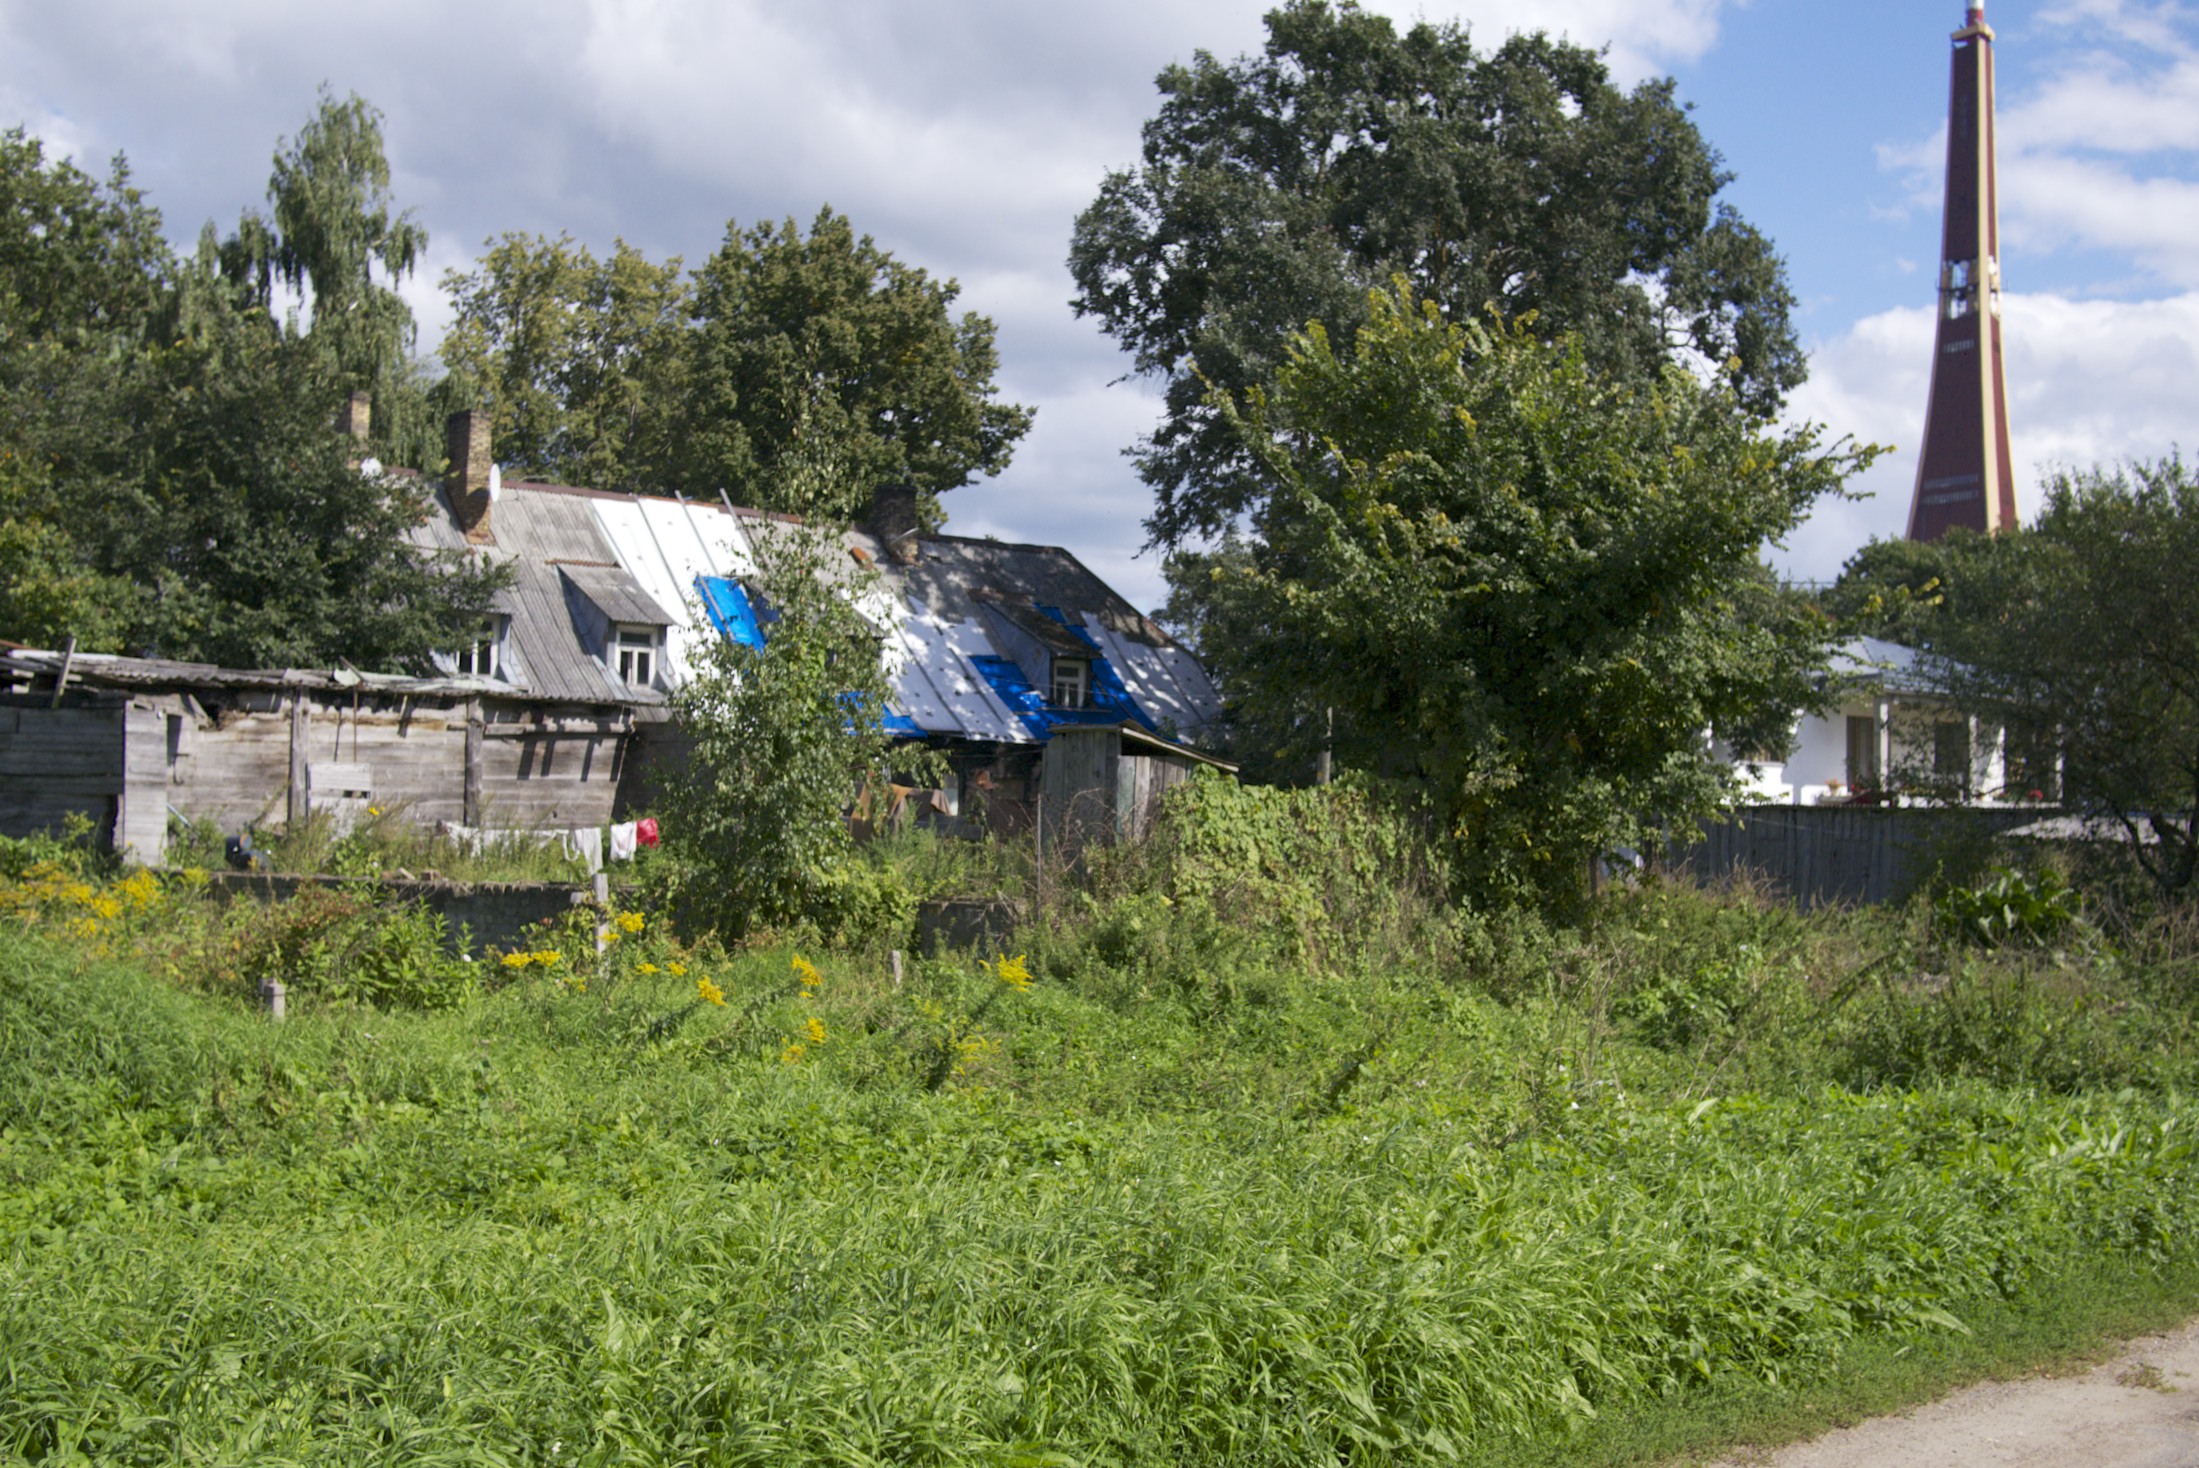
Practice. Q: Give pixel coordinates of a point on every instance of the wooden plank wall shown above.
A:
(1820, 855)
(563, 775)
(55, 761)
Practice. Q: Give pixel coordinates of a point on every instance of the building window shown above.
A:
(637, 656)
(1072, 683)
(484, 656)
(1951, 754)
(1862, 751)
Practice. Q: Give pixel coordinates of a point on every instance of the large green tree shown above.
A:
(581, 361)
(828, 338)
(1529, 591)
(170, 476)
(1279, 188)
(2084, 635)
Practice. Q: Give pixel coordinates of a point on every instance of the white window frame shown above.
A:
(634, 653)
(1071, 684)
(484, 656)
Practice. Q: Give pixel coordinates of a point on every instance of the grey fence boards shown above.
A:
(1821, 854)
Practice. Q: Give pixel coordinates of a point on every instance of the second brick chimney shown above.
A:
(468, 481)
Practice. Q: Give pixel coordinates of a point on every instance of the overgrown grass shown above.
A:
(1471, 1189)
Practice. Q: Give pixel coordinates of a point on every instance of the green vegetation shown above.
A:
(1274, 189)
(1408, 1185)
(1511, 586)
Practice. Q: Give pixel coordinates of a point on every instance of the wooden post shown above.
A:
(1038, 848)
(271, 994)
(300, 803)
(472, 802)
(602, 888)
(68, 661)
(895, 955)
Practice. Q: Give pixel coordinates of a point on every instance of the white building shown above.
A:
(1887, 737)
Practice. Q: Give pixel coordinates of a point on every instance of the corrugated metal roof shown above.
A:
(933, 613)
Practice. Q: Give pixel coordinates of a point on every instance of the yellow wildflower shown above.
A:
(374, 810)
(810, 977)
(106, 907)
(630, 922)
(646, 968)
(793, 1053)
(711, 993)
(518, 960)
(548, 956)
(676, 969)
(1013, 972)
(815, 1030)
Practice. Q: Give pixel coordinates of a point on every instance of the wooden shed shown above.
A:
(1104, 782)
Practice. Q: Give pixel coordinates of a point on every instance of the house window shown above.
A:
(1863, 751)
(1951, 754)
(637, 655)
(1072, 683)
(484, 656)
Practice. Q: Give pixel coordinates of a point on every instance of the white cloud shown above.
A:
(2089, 382)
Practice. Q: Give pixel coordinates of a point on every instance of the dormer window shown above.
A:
(636, 648)
(1072, 683)
(484, 656)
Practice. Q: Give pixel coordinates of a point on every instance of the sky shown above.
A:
(965, 136)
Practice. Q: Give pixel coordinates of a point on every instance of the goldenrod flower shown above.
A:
(711, 993)
(793, 1053)
(518, 960)
(548, 956)
(629, 922)
(808, 971)
(815, 1030)
(647, 968)
(676, 969)
(1013, 972)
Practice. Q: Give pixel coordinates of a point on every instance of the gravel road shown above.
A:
(2140, 1410)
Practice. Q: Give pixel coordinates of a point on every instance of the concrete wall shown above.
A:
(496, 914)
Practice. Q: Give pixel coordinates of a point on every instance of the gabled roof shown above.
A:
(944, 618)
(1879, 663)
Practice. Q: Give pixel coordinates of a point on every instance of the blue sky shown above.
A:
(966, 134)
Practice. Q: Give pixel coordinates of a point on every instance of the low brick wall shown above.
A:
(494, 914)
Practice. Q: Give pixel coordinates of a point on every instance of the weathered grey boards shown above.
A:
(1823, 854)
(1105, 781)
(102, 760)
(266, 756)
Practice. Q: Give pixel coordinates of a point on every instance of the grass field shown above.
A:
(1163, 1194)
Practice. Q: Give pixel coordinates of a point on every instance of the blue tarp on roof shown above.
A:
(1015, 690)
(726, 604)
(1107, 691)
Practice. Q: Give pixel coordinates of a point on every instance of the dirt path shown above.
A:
(2140, 1410)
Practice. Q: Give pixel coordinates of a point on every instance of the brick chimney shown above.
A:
(356, 422)
(893, 521)
(468, 481)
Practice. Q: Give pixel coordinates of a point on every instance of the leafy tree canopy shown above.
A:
(581, 361)
(1910, 591)
(2085, 638)
(170, 476)
(783, 346)
(1279, 188)
(1520, 586)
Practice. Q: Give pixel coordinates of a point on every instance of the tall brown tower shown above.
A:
(1964, 478)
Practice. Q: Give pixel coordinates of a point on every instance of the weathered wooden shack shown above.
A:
(129, 741)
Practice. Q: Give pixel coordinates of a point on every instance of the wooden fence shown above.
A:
(1823, 854)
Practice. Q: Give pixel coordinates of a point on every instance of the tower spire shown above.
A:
(1964, 477)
